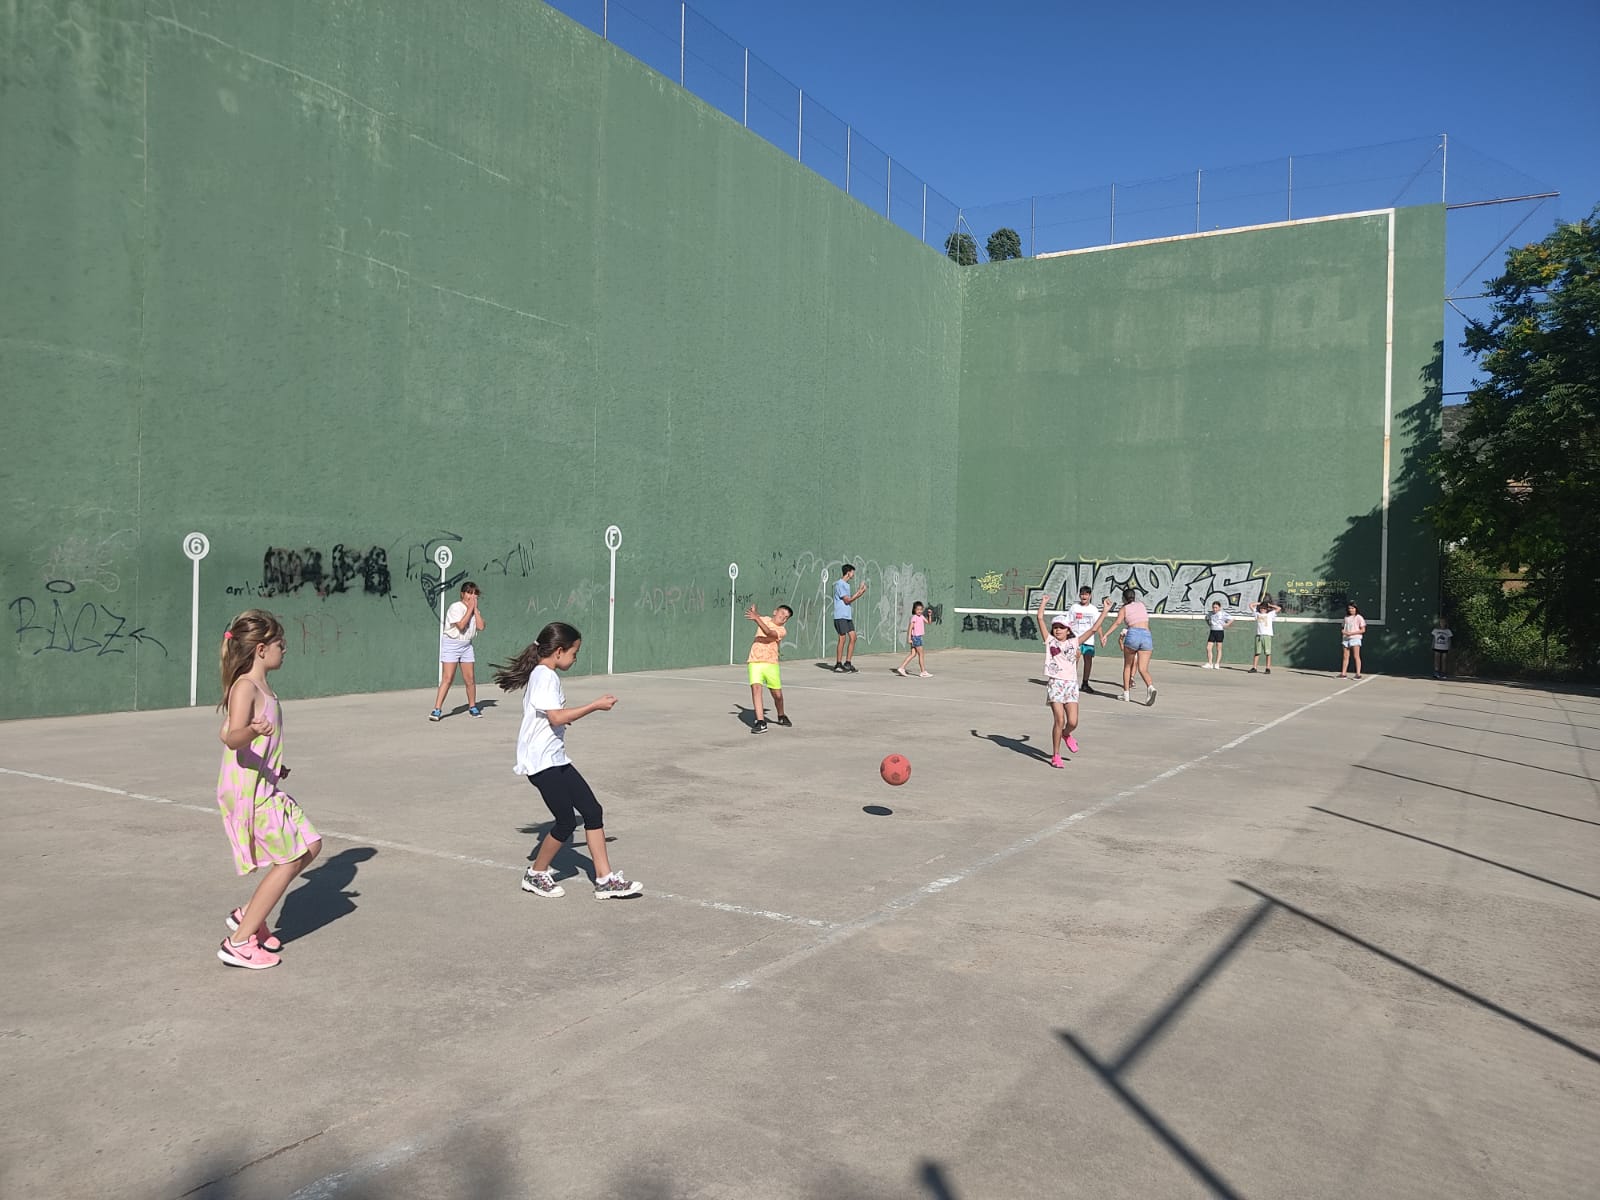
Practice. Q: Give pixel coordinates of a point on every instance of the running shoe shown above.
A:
(1150, 697)
(615, 887)
(1072, 743)
(785, 722)
(475, 710)
(250, 955)
(436, 715)
(541, 883)
(265, 936)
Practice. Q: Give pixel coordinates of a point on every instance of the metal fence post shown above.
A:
(1033, 227)
(1291, 188)
(800, 131)
(1444, 164)
(888, 188)
(1113, 236)
(605, 20)
(1197, 199)
(745, 120)
(683, 23)
(924, 212)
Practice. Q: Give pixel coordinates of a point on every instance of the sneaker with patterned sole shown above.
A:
(249, 955)
(1150, 697)
(541, 883)
(615, 887)
(265, 936)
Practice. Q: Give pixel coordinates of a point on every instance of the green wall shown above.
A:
(336, 283)
(1205, 417)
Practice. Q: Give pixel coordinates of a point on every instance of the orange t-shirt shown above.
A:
(765, 647)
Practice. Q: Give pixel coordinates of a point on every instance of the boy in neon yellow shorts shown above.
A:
(763, 663)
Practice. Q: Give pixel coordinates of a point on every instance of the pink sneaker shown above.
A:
(268, 939)
(1072, 743)
(1056, 762)
(250, 955)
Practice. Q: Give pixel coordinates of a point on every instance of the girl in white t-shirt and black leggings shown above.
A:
(542, 757)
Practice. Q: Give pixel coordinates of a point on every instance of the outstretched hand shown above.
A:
(750, 613)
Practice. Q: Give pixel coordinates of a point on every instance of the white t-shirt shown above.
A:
(1264, 622)
(452, 618)
(1080, 617)
(1218, 619)
(1441, 639)
(539, 743)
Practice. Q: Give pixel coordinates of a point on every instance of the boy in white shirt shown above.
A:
(1266, 613)
(1079, 618)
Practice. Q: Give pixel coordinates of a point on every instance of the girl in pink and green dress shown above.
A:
(265, 825)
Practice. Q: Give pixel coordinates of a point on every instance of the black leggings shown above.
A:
(567, 796)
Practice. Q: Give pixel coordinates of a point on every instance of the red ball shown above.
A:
(895, 769)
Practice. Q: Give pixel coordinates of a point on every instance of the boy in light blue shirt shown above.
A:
(843, 598)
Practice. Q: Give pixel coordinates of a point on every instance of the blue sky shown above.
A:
(999, 102)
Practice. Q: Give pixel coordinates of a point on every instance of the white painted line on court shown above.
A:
(443, 855)
(900, 904)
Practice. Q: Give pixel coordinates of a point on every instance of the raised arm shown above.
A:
(1038, 617)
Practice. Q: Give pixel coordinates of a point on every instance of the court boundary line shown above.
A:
(423, 851)
(904, 903)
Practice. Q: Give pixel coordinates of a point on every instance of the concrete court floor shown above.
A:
(1273, 937)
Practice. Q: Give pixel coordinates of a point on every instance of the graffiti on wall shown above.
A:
(880, 616)
(1173, 588)
(285, 571)
(62, 622)
(89, 559)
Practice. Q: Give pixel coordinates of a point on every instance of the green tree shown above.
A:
(962, 247)
(1003, 244)
(1521, 482)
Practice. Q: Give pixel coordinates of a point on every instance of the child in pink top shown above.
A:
(914, 631)
(265, 825)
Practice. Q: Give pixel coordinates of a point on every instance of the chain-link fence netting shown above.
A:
(1492, 205)
(676, 41)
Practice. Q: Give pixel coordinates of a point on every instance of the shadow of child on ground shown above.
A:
(1017, 744)
(322, 896)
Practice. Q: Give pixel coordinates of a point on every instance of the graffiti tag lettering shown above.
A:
(88, 627)
(1173, 588)
(285, 571)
